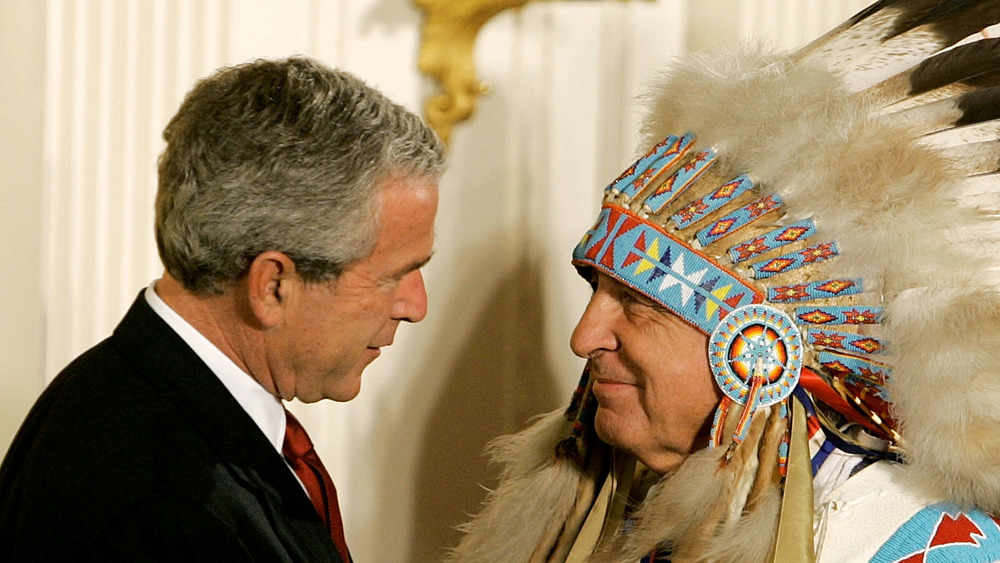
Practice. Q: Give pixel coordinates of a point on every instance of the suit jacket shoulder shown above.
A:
(137, 444)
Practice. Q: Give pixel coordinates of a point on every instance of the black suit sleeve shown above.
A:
(168, 529)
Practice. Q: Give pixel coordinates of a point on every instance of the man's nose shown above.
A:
(593, 331)
(411, 301)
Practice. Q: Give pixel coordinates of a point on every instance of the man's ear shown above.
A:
(271, 281)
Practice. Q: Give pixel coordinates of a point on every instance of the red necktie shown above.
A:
(298, 449)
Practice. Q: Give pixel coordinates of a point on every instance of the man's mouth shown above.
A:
(600, 377)
(604, 381)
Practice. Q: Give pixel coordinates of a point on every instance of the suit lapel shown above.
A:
(162, 358)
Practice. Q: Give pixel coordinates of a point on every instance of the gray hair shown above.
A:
(284, 155)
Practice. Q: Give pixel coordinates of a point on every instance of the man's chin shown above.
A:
(346, 390)
(611, 427)
(343, 389)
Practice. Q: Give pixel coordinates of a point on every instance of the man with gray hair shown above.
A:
(295, 209)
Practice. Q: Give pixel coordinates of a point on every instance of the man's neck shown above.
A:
(225, 320)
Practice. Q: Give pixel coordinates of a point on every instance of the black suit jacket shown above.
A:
(137, 452)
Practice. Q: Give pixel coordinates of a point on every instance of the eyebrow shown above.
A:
(414, 266)
(642, 298)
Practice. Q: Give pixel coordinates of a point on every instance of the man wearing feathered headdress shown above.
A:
(794, 335)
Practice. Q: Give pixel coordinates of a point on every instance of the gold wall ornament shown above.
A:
(446, 53)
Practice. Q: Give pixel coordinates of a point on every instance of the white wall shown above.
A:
(89, 84)
(22, 342)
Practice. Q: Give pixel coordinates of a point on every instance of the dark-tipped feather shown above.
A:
(869, 27)
(978, 106)
(893, 36)
(955, 65)
(954, 20)
(969, 66)
(954, 90)
(932, 117)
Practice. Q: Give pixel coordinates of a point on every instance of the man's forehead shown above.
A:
(618, 288)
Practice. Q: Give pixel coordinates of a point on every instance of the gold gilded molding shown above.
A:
(446, 53)
(447, 43)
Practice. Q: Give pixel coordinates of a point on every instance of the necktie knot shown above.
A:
(297, 442)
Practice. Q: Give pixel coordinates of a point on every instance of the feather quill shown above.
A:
(956, 136)
(975, 158)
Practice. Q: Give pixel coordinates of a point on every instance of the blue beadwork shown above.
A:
(663, 155)
(839, 315)
(680, 181)
(794, 260)
(739, 219)
(663, 268)
(944, 533)
(774, 239)
(846, 341)
(756, 340)
(822, 289)
(701, 208)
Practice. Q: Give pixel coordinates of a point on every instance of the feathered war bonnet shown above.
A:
(830, 220)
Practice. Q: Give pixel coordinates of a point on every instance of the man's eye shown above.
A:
(629, 298)
(632, 299)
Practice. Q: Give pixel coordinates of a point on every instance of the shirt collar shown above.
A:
(264, 408)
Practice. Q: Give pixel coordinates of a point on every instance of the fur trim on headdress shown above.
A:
(711, 509)
(946, 387)
(537, 491)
